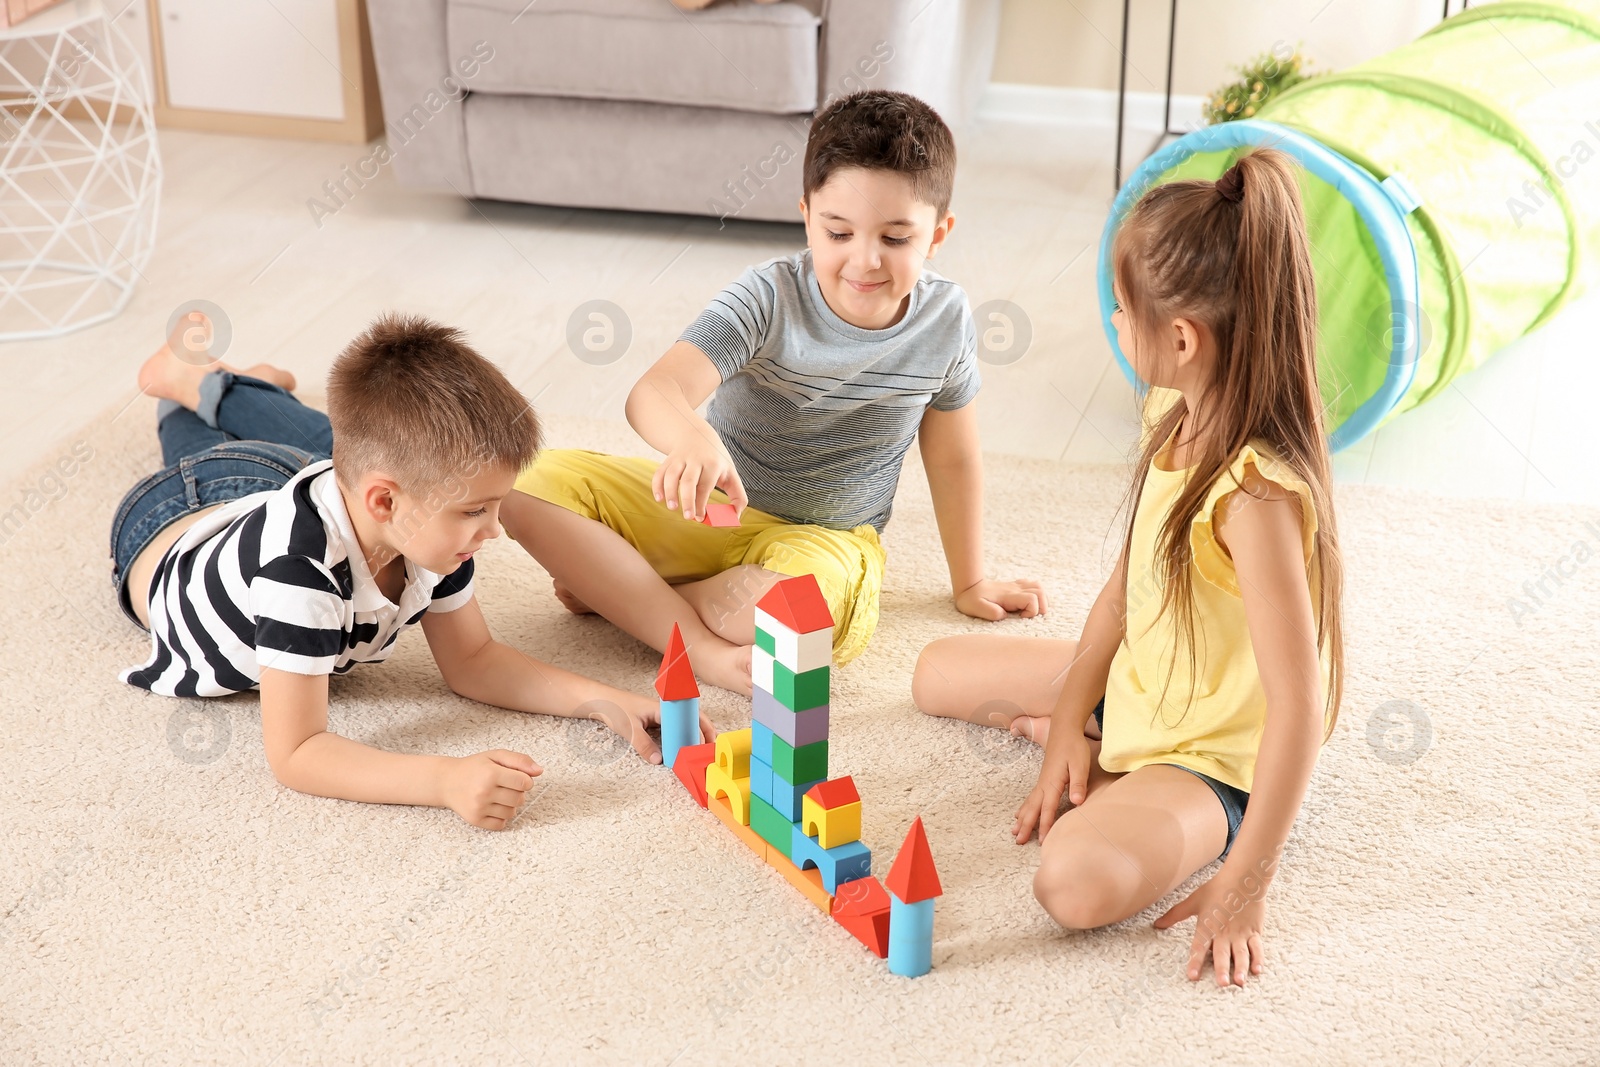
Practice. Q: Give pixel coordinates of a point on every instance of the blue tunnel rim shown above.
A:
(1384, 219)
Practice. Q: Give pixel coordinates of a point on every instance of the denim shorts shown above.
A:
(221, 473)
(1233, 800)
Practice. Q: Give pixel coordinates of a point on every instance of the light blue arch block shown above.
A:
(680, 727)
(842, 863)
(910, 937)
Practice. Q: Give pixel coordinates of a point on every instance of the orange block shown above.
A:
(808, 881)
(723, 811)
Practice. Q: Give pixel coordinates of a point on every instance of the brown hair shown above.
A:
(412, 399)
(879, 129)
(1233, 255)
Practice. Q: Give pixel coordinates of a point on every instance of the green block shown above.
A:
(799, 692)
(808, 763)
(769, 823)
(765, 642)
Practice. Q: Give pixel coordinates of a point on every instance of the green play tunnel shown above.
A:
(1452, 196)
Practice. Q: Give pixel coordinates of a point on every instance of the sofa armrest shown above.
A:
(422, 87)
(941, 51)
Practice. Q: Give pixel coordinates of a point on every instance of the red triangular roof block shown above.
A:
(913, 876)
(798, 603)
(675, 680)
(835, 793)
(862, 907)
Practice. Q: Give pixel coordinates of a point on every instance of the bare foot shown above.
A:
(724, 665)
(169, 377)
(569, 601)
(1035, 728)
(266, 372)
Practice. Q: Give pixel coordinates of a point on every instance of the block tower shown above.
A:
(769, 784)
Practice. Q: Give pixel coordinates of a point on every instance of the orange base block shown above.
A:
(808, 882)
(719, 805)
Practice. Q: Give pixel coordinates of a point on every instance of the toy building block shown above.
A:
(799, 652)
(721, 515)
(807, 763)
(690, 767)
(761, 742)
(798, 604)
(795, 727)
(774, 829)
(910, 937)
(913, 877)
(831, 812)
(809, 882)
(913, 884)
(737, 790)
(845, 863)
(721, 810)
(680, 700)
(788, 797)
(862, 907)
(797, 692)
(760, 779)
(733, 753)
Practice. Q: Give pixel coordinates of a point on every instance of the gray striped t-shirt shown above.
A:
(816, 413)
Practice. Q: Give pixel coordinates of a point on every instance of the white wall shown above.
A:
(1075, 42)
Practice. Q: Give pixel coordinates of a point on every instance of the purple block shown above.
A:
(795, 727)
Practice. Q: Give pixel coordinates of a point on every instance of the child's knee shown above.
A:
(1076, 887)
(937, 681)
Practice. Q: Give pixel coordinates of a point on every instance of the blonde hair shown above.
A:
(411, 399)
(1233, 254)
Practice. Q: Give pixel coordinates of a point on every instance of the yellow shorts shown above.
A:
(615, 490)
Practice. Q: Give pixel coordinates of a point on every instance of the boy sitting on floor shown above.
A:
(281, 545)
(824, 366)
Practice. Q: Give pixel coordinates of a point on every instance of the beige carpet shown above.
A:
(164, 900)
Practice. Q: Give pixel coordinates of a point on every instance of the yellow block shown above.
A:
(809, 881)
(831, 826)
(742, 832)
(737, 790)
(733, 753)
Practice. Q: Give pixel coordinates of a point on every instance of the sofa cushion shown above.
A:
(743, 55)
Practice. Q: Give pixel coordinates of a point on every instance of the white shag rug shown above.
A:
(164, 900)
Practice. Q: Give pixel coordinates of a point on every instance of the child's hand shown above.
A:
(632, 724)
(1065, 770)
(1229, 910)
(691, 470)
(487, 789)
(993, 600)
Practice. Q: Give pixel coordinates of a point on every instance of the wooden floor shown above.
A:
(236, 228)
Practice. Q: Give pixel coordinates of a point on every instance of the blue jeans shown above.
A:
(245, 436)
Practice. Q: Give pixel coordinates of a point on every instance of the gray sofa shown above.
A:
(635, 104)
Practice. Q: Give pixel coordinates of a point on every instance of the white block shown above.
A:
(798, 652)
(761, 669)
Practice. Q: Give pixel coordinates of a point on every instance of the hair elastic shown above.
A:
(1231, 184)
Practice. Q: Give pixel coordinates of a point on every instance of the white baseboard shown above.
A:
(1059, 104)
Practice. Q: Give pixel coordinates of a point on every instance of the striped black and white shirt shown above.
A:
(278, 580)
(816, 413)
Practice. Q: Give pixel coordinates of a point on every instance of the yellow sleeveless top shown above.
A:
(1219, 732)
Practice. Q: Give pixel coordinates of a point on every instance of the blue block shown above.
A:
(910, 937)
(842, 863)
(680, 727)
(760, 778)
(761, 742)
(789, 797)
